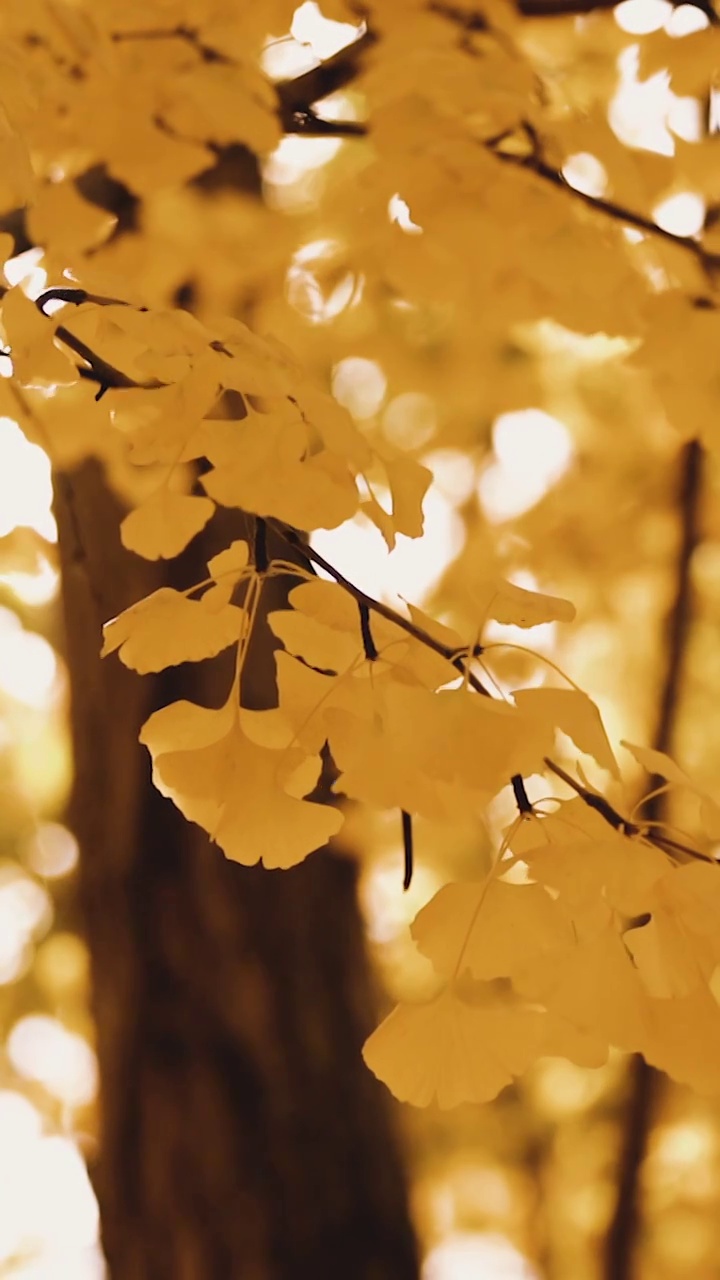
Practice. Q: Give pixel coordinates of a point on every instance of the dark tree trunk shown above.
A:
(241, 1134)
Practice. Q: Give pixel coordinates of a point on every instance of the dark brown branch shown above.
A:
(645, 1082)
(612, 210)
(561, 8)
(570, 8)
(680, 618)
(623, 825)
(369, 646)
(334, 73)
(407, 834)
(309, 124)
(521, 795)
(457, 660)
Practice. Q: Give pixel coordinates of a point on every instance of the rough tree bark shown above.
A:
(241, 1134)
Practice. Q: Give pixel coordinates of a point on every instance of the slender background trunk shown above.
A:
(241, 1134)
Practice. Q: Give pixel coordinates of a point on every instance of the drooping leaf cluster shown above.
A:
(133, 143)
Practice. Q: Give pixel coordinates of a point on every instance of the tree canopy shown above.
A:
(308, 266)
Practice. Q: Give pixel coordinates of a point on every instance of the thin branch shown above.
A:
(679, 619)
(369, 645)
(457, 660)
(108, 377)
(595, 801)
(624, 826)
(521, 796)
(319, 82)
(79, 296)
(645, 1082)
(407, 835)
(562, 8)
(260, 549)
(309, 124)
(629, 217)
(577, 8)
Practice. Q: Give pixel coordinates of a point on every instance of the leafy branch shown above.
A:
(109, 377)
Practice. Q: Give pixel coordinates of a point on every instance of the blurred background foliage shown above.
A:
(580, 498)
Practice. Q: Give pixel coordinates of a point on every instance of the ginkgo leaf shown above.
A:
(163, 525)
(323, 629)
(37, 361)
(450, 1052)
(62, 220)
(409, 482)
(334, 425)
(438, 630)
(576, 715)
(658, 762)
(678, 948)
(230, 562)
(7, 245)
(166, 628)
(266, 469)
(417, 739)
(620, 870)
(146, 158)
(515, 606)
(599, 992)
(17, 177)
(491, 928)
(163, 424)
(320, 646)
(665, 965)
(242, 794)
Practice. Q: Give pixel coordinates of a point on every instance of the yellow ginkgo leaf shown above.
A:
(413, 740)
(515, 606)
(619, 870)
(265, 468)
(318, 645)
(409, 482)
(166, 628)
(37, 361)
(450, 1051)
(599, 992)
(61, 220)
(683, 1038)
(232, 561)
(17, 178)
(678, 948)
(334, 425)
(491, 928)
(244, 795)
(7, 247)
(163, 424)
(658, 762)
(576, 715)
(663, 959)
(163, 525)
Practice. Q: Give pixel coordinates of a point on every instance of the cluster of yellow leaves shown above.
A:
(581, 937)
(403, 730)
(578, 939)
(288, 452)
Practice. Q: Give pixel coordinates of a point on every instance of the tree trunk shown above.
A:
(241, 1134)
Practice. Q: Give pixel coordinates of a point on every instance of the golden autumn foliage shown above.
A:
(488, 237)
